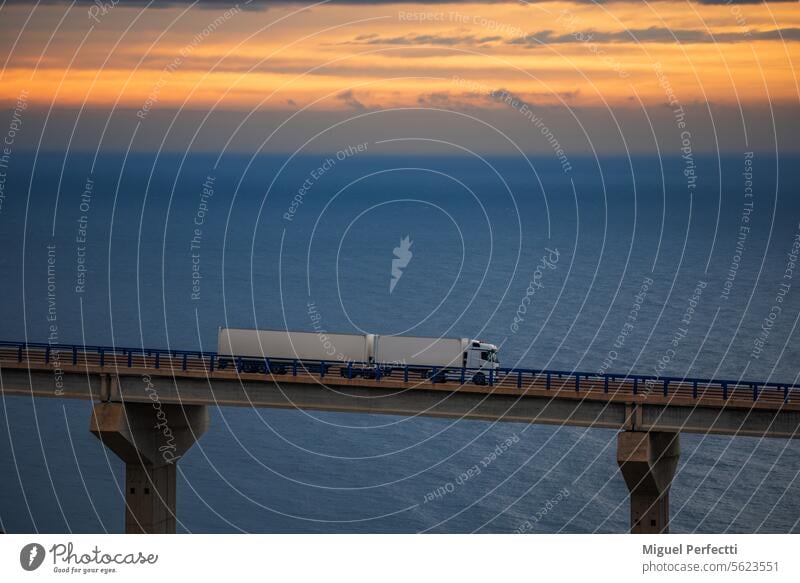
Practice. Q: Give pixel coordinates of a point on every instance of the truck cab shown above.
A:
(482, 356)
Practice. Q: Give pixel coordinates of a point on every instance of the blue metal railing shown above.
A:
(211, 361)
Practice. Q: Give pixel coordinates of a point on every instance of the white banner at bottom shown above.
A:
(399, 558)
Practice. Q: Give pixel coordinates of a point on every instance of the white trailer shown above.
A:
(286, 345)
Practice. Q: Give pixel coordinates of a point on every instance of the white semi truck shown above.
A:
(364, 355)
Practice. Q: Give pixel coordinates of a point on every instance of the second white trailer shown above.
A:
(283, 344)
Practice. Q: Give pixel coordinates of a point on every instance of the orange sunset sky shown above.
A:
(350, 57)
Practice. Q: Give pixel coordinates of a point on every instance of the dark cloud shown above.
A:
(516, 101)
(349, 98)
(423, 39)
(639, 35)
(472, 100)
(509, 98)
(436, 98)
(466, 101)
(655, 34)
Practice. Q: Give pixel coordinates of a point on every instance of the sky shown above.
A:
(491, 76)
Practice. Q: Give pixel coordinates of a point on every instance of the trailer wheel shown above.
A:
(248, 366)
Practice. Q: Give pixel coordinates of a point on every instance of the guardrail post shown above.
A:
(183, 363)
(158, 359)
(666, 384)
(405, 374)
(491, 377)
(321, 369)
(785, 393)
(211, 364)
(102, 356)
(519, 379)
(605, 383)
(577, 382)
(694, 390)
(47, 355)
(74, 355)
(294, 367)
(724, 390)
(548, 382)
(635, 385)
(19, 353)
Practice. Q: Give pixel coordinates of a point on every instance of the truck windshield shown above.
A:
(489, 355)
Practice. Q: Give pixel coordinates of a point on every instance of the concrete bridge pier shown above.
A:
(150, 438)
(648, 460)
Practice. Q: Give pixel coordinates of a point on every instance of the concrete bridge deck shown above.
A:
(649, 412)
(515, 395)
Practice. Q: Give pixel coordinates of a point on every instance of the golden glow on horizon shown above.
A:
(387, 57)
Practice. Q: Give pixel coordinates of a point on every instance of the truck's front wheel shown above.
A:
(479, 378)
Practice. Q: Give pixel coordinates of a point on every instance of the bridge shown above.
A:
(151, 407)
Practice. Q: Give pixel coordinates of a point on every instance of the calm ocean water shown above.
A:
(167, 264)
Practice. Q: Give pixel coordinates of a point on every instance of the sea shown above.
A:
(646, 264)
